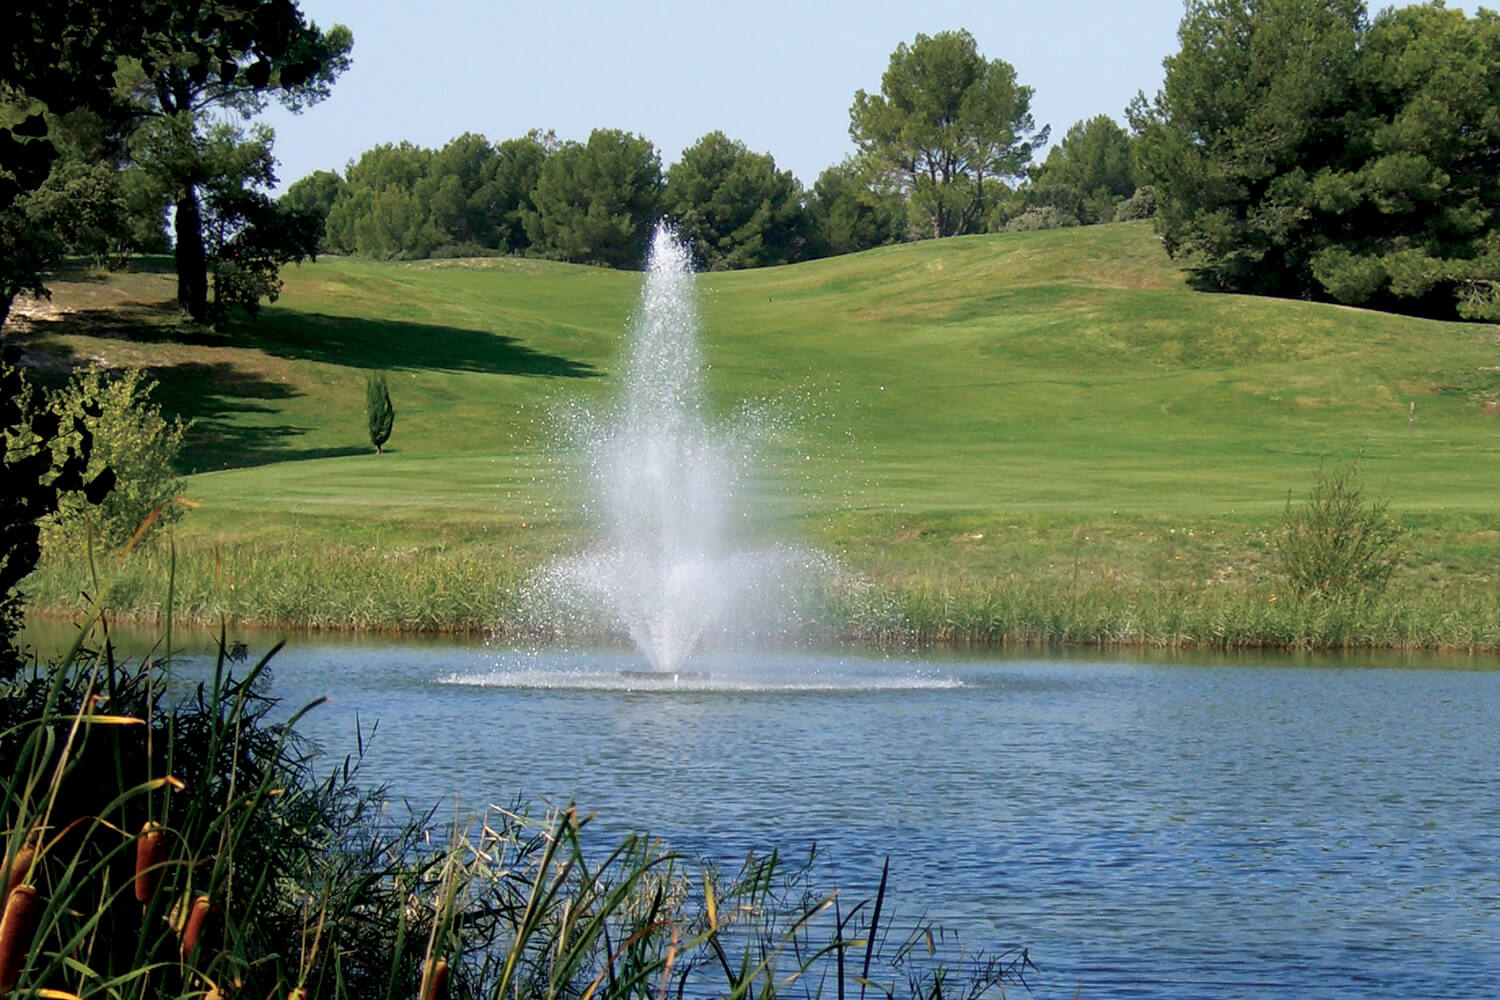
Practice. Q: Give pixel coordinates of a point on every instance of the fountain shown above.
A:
(666, 487)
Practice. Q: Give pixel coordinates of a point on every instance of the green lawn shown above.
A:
(944, 415)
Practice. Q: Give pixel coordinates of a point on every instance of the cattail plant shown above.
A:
(435, 980)
(19, 866)
(23, 913)
(196, 924)
(150, 855)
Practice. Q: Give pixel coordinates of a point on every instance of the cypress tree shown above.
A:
(379, 409)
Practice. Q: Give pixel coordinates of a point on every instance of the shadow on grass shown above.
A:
(228, 403)
(218, 398)
(396, 344)
(335, 340)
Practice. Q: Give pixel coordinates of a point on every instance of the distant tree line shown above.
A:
(944, 149)
(1297, 148)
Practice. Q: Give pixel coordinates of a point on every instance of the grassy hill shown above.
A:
(966, 422)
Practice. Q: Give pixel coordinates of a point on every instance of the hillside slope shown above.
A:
(941, 407)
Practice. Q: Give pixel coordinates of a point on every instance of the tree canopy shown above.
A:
(946, 120)
(595, 202)
(128, 67)
(1088, 173)
(850, 209)
(180, 95)
(732, 206)
(1300, 148)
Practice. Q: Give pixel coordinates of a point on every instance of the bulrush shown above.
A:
(197, 922)
(150, 855)
(18, 869)
(436, 985)
(23, 912)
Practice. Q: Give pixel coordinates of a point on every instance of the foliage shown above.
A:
(1339, 543)
(297, 874)
(379, 412)
(849, 209)
(315, 195)
(130, 437)
(180, 59)
(1041, 217)
(266, 237)
(85, 206)
(1087, 174)
(595, 202)
(377, 213)
(44, 459)
(1299, 149)
(27, 251)
(1140, 205)
(732, 207)
(403, 201)
(946, 120)
(178, 96)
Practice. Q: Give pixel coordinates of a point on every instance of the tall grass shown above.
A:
(1082, 600)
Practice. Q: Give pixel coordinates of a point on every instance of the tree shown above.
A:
(245, 237)
(1415, 214)
(378, 410)
(514, 184)
(315, 195)
(84, 205)
(378, 214)
(849, 209)
(1299, 149)
(208, 59)
(1254, 104)
(946, 120)
(1088, 173)
(732, 206)
(595, 202)
(57, 58)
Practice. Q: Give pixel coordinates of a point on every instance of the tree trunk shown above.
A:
(5, 304)
(192, 261)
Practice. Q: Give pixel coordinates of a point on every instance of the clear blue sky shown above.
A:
(776, 75)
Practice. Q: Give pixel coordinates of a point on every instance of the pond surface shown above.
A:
(1248, 827)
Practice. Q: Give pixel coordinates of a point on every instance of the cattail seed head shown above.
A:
(23, 913)
(150, 855)
(197, 922)
(436, 976)
(18, 869)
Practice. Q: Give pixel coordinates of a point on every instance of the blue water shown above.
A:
(1235, 829)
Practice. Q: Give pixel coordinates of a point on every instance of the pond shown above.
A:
(1203, 827)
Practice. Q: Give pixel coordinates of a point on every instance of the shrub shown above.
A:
(37, 466)
(1141, 205)
(1339, 543)
(130, 436)
(1043, 217)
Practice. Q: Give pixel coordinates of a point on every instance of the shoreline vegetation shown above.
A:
(468, 594)
(1039, 438)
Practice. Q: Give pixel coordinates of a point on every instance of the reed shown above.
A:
(1087, 599)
